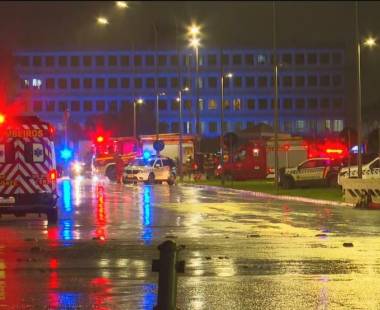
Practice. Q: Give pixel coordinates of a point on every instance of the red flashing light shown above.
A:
(2, 119)
(53, 175)
(99, 139)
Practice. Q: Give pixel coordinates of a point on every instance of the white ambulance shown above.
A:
(28, 172)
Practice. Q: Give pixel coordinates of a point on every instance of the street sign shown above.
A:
(158, 145)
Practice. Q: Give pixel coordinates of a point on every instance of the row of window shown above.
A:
(237, 104)
(151, 60)
(324, 80)
(213, 127)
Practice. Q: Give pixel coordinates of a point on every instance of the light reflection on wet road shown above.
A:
(241, 253)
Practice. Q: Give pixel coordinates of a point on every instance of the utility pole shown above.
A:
(275, 108)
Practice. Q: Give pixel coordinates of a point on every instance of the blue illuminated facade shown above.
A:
(312, 94)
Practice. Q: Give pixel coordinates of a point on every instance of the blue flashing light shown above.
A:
(66, 154)
(146, 155)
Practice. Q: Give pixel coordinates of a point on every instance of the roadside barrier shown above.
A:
(355, 189)
(167, 267)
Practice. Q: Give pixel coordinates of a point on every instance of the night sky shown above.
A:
(71, 25)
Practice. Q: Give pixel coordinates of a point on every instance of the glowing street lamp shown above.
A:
(194, 30)
(370, 42)
(122, 4)
(179, 99)
(101, 20)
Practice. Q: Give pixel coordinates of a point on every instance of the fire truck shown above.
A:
(106, 151)
(28, 172)
(255, 159)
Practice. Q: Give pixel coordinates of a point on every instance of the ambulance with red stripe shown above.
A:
(27, 167)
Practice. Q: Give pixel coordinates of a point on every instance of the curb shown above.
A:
(277, 197)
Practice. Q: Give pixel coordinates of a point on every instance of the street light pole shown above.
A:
(359, 94)
(134, 118)
(180, 138)
(157, 117)
(222, 128)
(275, 108)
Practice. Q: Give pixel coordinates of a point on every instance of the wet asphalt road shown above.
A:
(240, 252)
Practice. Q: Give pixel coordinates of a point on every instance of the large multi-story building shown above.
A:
(311, 87)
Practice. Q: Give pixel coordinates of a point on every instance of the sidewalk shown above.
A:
(265, 189)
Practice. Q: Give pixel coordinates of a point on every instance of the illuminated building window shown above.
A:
(37, 61)
(237, 104)
(338, 125)
(226, 104)
(237, 82)
(287, 104)
(62, 61)
(87, 83)
(300, 125)
(262, 82)
(36, 83)
(261, 59)
(327, 124)
(201, 104)
(225, 59)
(212, 104)
(174, 83)
(238, 126)
(24, 84)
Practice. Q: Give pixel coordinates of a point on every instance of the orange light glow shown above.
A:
(334, 151)
(100, 139)
(53, 175)
(2, 118)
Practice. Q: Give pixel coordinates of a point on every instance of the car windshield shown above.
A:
(151, 162)
(139, 162)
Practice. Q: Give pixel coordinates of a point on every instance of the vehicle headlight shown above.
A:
(77, 167)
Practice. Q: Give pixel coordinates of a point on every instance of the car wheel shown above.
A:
(151, 178)
(52, 216)
(111, 173)
(287, 183)
(332, 181)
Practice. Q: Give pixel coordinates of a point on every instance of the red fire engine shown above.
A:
(255, 159)
(108, 150)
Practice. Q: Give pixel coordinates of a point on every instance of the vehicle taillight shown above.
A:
(2, 119)
(53, 175)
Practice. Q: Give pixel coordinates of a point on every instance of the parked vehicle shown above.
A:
(370, 171)
(311, 172)
(150, 170)
(28, 172)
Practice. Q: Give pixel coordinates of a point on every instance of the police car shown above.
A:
(150, 170)
(369, 171)
(28, 172)
(311, 172)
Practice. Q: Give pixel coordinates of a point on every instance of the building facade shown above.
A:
(311, 87)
